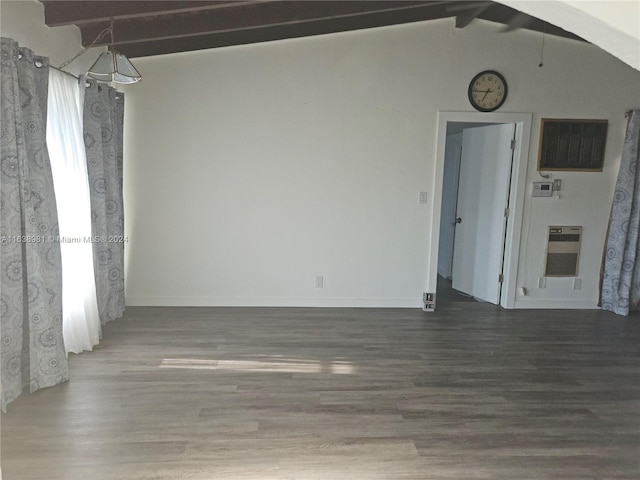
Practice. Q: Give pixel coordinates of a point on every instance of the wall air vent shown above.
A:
(563, 251)
(572, 145)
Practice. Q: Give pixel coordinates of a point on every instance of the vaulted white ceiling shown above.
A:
(613, 25)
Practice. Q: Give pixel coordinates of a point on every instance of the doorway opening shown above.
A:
(480, 183)
(475, 205)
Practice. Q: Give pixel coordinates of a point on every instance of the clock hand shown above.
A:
(485, 94)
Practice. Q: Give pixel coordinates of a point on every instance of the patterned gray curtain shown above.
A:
(621, 271)
(103, 123)
(32, 350)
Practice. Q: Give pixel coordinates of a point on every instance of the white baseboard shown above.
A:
(136, 301)
(274, 302)
(557, 304)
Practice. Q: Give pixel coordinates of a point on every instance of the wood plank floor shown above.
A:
(468, 392)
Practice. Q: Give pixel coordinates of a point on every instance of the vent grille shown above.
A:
(563, 251)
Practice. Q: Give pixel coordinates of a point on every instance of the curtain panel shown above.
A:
(80, 321)
(103, 126)
(620, 291)
(32, 351)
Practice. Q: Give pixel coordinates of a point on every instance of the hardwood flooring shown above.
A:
(468, 392)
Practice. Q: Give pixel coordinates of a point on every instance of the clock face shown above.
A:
(487, 91)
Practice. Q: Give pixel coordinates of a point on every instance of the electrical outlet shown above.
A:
(542, 282)
(319, 281)
(423, 197)
(577, 283)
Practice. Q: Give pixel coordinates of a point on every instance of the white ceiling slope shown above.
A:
(613, 25)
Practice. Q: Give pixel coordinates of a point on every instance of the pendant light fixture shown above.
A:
(112, 66)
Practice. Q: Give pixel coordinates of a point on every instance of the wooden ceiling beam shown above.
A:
(507, 16)
(72, 12)
(144, 27)
(263, 16)
(465, 18)
(275, 32)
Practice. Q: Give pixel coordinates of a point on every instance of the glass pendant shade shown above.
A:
(114, 67)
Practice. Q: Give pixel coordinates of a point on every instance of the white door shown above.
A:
(483, 193)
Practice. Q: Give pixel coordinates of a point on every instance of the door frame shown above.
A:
(523, 122)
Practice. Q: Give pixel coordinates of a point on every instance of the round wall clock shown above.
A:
(487, 91)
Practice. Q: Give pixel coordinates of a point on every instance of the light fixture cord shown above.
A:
(100, 36)
(544, 34)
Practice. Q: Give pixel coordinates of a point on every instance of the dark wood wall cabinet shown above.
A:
(572, 145)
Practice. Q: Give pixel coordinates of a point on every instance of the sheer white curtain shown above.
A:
(81, 322)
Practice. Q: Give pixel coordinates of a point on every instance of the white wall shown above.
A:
(305, 157)
(23, 20)
(251, 169)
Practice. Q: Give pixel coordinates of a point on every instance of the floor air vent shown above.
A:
(563, 251)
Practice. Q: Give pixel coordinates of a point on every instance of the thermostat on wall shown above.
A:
(542, 189)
